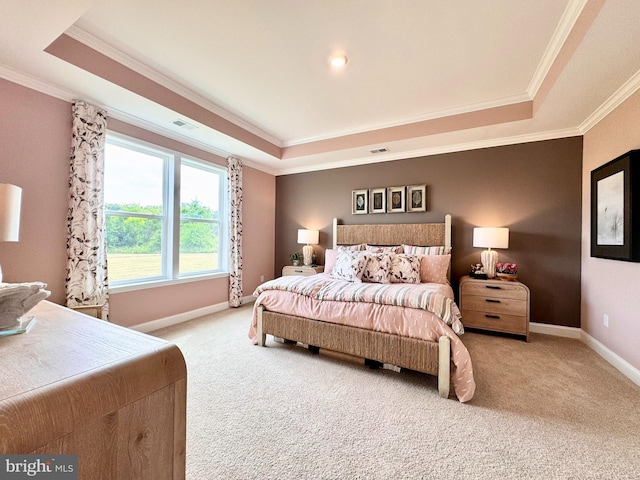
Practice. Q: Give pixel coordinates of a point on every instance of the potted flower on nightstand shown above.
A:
(295, 258)
(507, 271)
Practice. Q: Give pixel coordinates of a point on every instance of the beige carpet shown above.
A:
(550, 408)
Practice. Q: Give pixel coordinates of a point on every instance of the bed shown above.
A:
(413, 325)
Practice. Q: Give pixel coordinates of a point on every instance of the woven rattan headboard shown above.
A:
(423, 234)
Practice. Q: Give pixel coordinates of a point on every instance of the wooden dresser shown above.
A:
(115, 397)
(496, 305)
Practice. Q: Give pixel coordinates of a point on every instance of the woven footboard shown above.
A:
(415, 354)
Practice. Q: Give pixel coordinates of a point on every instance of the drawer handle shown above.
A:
(491, 300)
(493, 316)
(493, 287)
(298, 271)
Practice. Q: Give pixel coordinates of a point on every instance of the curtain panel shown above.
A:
(86, 280)
(235, 235)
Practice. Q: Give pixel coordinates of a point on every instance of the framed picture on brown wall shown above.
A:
(615, 209)
(359, 202)
(395, 199)
(417, 198)
(377, 200)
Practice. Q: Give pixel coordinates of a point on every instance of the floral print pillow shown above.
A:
(349, 265)
(377, 268)
(375, 249)
(405, 269)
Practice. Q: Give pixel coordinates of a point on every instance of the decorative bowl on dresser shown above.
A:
(495, 305)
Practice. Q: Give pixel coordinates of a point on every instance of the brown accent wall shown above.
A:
(533, 188)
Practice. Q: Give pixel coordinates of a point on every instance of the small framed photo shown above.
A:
(359, 202)
(395, 199)
(615, 209)
(377, 200)
(417, 198)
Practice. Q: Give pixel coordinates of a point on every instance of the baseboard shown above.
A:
(185, 316)
(614, 359)
(556, 330)
(628, 370)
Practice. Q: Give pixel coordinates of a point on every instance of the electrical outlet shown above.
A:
(261, 278)
(606, 320)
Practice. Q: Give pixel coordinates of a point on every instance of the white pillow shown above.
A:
(377, 268)
(349, 265)
(415, 250)
(352, 248)
(405, 269)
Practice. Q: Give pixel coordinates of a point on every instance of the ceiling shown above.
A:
(252, 77)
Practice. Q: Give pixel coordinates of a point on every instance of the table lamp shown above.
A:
(308, 237)
(490, 237)
(10, 200)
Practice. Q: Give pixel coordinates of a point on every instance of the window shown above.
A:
(165, 214)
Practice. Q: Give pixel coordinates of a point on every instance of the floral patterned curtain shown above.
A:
(86, 280)
(235, 238)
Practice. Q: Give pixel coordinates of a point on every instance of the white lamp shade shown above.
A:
(10, 200)
(491, 237)
(308, 237)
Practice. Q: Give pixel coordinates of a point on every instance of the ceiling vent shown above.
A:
(379, 150)
(183, 124)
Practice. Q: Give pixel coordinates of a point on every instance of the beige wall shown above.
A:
(35, 140)
(534, 189)
(608, 286)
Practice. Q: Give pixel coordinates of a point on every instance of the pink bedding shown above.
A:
(400, 309)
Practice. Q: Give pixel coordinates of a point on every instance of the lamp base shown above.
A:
(489, 258)
(307, 254)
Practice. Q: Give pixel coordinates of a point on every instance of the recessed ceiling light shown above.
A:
(338, 60)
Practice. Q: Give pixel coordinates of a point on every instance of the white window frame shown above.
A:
(170, 249)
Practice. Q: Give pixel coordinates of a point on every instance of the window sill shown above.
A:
(164, 283)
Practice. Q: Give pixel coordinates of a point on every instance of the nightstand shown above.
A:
(305, 270)
(496, 305)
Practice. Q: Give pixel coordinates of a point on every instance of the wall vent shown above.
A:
(183, 124)
(379, 150)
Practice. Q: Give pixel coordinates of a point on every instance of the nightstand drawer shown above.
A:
(305, 271)
(495, 322)
(495, 289)
(507, 306)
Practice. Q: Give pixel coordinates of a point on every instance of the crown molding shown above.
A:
(430, 151)
(110, 51)
(36, 84)
(68, 96)
(630, 87)
(469, 108)
(568, 20)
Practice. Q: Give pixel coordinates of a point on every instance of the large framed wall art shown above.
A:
(615, 209)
